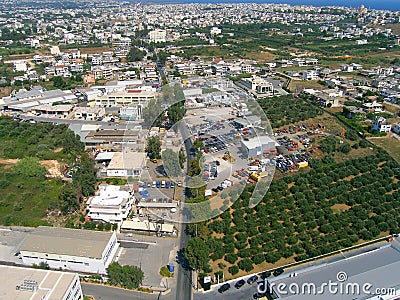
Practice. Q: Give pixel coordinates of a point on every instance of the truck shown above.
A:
(258, 176)
(253, 168)
(303, 164)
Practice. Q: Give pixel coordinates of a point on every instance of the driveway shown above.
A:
(150, 254)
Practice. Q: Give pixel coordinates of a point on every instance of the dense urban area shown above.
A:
(198, 151)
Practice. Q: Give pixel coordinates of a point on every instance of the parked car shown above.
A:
(172, 184)
(265, 274)
(167, 184)
(252, 279)
(223, 288)
(258, 295)
(278, 272)
(179, 183)
(240, 283)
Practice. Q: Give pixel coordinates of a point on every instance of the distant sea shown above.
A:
(371, 4)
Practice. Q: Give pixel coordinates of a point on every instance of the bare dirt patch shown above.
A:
(340, 207)
(5, 91)
(390, 144)
(53, 167)
(262, 56)
(299, 85)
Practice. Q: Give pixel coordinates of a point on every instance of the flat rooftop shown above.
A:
(146, 226)
(260, 141)
(110, 195)
(380, 268)
(127, 161)
(105, 156)
(52, 285)
(65, 241)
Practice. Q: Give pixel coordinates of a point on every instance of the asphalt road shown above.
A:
(244, 293)
(101, 292)
(184, 279)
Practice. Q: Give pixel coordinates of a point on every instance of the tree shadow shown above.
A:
(180, 259)
(160, 170)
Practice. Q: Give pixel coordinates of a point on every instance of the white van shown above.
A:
(154, 184)
(163, 184)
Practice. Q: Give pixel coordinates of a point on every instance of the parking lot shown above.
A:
(296, 145)
(150, 254)
(223, 155)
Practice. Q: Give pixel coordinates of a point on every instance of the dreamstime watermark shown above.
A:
(339, 286)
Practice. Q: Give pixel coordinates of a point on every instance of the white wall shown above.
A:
(74, 291)
(74, 263)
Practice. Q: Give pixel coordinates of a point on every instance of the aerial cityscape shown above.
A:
(186, 150)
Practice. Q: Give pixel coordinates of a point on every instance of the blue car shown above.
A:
(158, 184)
(172, 184)
(167, 184)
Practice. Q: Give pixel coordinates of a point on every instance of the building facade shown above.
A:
(111, 205)
(67, 249)
(380, 124)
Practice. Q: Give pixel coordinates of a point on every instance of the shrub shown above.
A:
(233, 270)
(246, 265)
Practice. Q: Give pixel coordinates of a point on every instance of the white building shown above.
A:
(34, 284)
(362, 42)
(70, 249)
(158, 36)
(215, 31)
(111, 205)
(89, 113)
(373, 106)
(124, 164)
(380, 124)
(310, 75)
(20, 66)
(130, 113)
(55, 50)
(258, 145)
(257, 84)
(347, 68)
(131, 96)
(61, 110)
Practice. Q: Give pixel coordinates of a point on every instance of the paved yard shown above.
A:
(149, 256)
(10, 241)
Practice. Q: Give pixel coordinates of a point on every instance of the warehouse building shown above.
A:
(124, 164)
(373, 274)
(35, 284)
(258, 145)
(70, 249)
